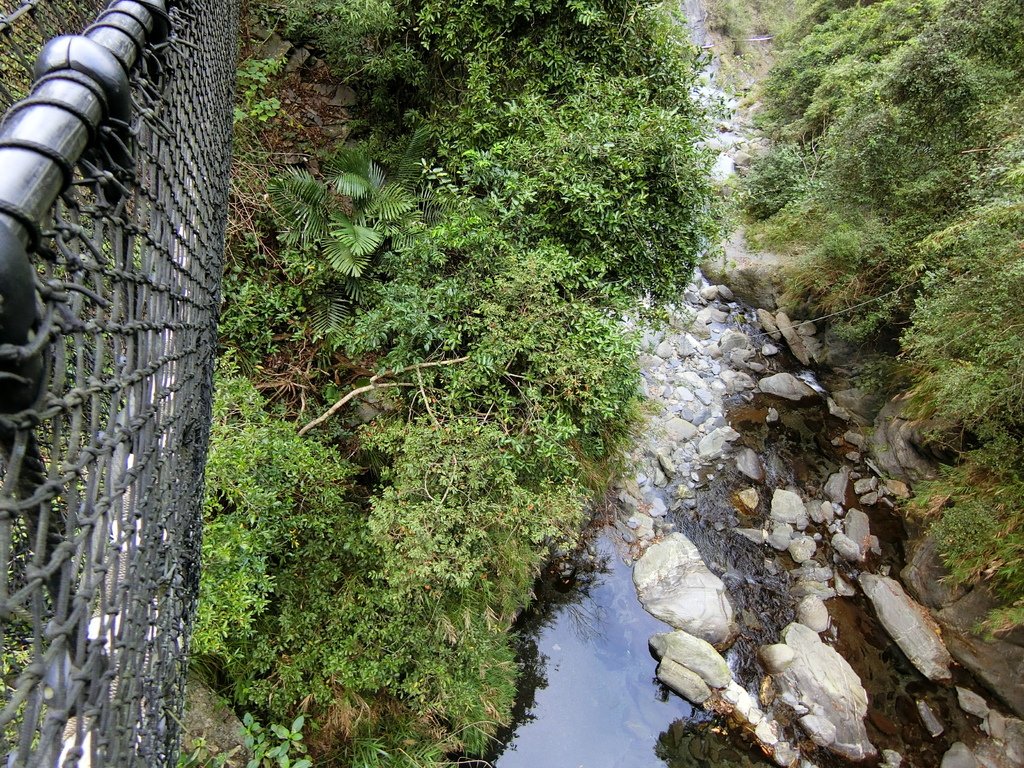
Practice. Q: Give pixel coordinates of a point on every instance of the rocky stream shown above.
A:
(756, 596)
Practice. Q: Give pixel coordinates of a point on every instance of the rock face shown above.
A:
(909, 625)
(825, 693)
(998, 664)
(697, 655)
(209, 720)
(675, 585)
(925, 575)
(786, 385)
(895, 444)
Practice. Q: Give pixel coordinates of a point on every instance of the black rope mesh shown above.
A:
(101, 478)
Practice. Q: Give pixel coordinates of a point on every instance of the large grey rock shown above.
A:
(972, 703)
(776, 657)
(713, 444)
(914, 631)
(733, 339)
(788, 507)
(847, 548)
(797, 343)
(896, 443)
(959, 756)
(785, 385)
(693, 653)
(836, 485)
(767, 320)
(926, 576)
(683, 681)
(675, 585)
(858, 528)
(812, 613)
(819, 682)
(802, 549)
(679, 430)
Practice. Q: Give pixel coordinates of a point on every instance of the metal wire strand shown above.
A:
(101, 479)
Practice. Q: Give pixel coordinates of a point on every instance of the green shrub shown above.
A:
(774, 181)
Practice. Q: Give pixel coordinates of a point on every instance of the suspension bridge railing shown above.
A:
(114, 165)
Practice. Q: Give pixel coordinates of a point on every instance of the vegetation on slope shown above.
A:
(898, 176)
(524, 171)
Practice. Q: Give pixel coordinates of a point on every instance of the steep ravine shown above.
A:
(758, 521)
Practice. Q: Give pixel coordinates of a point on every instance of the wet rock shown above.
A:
(909, 624)
(891, 759)
(776, 657)
(768, 350)
(736, 381)
(812, 613)
(683, 681)
(675, 585)
(749, 498)
(972, 703)
(713, 444)
(788, 507)
(785, 385)
(859, 402)
(725, 292)
(802, 548)
(821, 683)
(697, 655)
(959, 756)
(749, 463)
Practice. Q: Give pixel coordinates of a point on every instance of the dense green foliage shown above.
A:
(908, 204)
(367, 571)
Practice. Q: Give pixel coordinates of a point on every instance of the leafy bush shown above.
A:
(775, 180)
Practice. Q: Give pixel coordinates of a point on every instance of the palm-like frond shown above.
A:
(362, 241)
(410, 166)
(390, 203)
(329, 310)
(301, 200)
(349, 172)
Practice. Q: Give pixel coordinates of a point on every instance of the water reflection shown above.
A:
(589, 698)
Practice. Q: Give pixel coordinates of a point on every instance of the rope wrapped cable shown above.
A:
(114, 162)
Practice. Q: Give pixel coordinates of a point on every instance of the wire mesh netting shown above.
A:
(101, 475)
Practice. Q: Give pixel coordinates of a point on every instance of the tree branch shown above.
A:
(376, 383)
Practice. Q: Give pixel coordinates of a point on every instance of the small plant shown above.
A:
(275, 746)
(253, 78)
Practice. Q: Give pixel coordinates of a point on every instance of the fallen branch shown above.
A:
(376, 383)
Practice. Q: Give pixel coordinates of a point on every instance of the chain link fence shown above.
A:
(113, 200)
